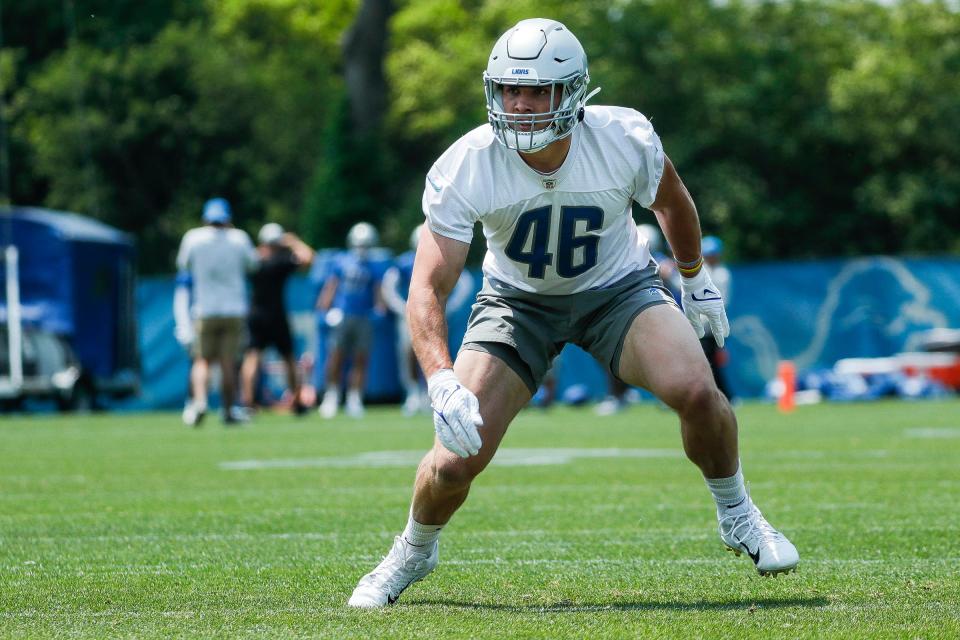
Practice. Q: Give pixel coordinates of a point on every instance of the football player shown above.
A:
(552, 182)
(349, 298)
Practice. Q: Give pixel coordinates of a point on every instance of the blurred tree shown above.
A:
(40, 28)
(898, 104)
(364, 46)
(141, 136)
(34, 30)
(356, 177)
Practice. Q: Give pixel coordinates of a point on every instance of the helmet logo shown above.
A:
(522, 72)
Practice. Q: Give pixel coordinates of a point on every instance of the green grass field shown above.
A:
(586, 527)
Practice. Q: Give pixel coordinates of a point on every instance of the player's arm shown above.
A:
(389, 290)
(678, 218)
(379, 305)
(436, 269)
(325, 299)
(302, 252)
(183, 254)
(183, 325)
(251, 258)
(456, 411)
(677, 215)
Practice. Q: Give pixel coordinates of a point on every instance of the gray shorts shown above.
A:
(354, 334)
(527, 330)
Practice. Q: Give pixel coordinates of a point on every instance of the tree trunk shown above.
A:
(364, 47)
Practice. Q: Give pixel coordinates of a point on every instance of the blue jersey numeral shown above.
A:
(537, 222)
(568, 242)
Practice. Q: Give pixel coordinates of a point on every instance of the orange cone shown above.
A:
(787, 374)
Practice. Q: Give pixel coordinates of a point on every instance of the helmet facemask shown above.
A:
(559, 121)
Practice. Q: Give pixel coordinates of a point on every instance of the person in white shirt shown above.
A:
(553, 182)
(218, 258)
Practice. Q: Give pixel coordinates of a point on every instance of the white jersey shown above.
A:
(218, 260)
(554, 234)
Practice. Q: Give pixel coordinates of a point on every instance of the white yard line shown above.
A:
(504, 457)
(933, 432)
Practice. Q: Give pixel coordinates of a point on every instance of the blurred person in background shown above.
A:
(395, 288)
(553, 181)
(281, 255)
(718, 357)
(349, 298)
(217, 258)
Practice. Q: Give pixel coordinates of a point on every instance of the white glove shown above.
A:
(456, 413)
(702, 298)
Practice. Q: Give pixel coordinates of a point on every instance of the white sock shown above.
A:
(420, 535)
(730, 493)
(353, 397)
(333, 391)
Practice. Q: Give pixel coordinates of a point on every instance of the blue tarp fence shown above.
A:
(813, 313)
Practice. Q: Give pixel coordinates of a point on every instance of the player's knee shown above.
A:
(451, 472)
(699, 400)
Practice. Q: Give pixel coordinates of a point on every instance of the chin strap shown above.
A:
(581, 111)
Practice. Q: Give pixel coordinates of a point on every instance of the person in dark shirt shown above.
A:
(281, 255)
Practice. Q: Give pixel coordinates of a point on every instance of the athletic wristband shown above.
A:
(689, 269)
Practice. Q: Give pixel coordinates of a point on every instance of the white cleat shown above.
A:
(749, 532)
(235, 417)
(192, 414)
(354, 404)
(355, 409)
(404, 565)
(610, 406)
(329, 406)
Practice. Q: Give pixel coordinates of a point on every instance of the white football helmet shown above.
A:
(362, 235)
(270, 233)
(537, 52)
